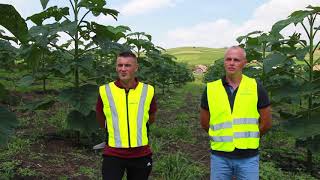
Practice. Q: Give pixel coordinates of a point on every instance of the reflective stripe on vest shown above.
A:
(239, 128)
(235, 121)
(236, 135)
(141, 113)
(117, 120)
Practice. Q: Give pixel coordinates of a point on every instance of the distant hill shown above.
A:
(197, 55)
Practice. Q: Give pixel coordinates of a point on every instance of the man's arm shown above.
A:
(152, 110)
(265, 120)
(152, 118)
(204, 119)
(264, 109)
(99, 113)
(204, 111)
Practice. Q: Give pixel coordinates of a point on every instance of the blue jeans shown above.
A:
(223, 168)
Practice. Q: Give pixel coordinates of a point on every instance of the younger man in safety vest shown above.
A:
(125, 107)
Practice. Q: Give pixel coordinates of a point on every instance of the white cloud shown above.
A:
(134, 7)
(25, 8)
(204, 34)
(223, 32)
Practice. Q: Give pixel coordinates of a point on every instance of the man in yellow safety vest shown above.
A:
(125, 108)
(235, 111)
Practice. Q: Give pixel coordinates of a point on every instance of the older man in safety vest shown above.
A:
(125, 107)
(235, 111)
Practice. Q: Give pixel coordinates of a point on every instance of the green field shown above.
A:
(206, 56)
(197, 55)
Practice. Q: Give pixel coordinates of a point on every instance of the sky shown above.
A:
(176, 23)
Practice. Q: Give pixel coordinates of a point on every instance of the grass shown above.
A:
(177, 166)
(269, 171)
(88, 172)
(197, 55)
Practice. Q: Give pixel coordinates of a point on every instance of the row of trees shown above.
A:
(82, 62)
(287, 68)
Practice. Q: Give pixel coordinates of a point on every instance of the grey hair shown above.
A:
(237, 47)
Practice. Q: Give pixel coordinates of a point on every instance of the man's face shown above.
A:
(126, 68)
(234, 61)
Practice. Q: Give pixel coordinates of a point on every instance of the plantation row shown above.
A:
(69, 72)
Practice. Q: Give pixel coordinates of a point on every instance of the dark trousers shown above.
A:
(113, 168)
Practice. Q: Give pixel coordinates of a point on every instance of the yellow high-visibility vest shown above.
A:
(239, 128)
(126, 114)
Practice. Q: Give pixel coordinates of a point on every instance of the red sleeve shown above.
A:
(99, 113)
(99, 105)
(153, 105)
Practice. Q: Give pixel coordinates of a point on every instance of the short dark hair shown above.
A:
(127, 54)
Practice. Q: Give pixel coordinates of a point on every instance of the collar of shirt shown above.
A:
(224, 81)
(119, 85)
(227, 85)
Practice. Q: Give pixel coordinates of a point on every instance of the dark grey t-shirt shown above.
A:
(263, 101)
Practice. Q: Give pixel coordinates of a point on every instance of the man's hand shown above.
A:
(265, 120)
(204, 119)
(152, 118)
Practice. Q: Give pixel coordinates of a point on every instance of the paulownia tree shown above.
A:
(77, 55)
(12, 21)
(286, 67)
(303, 90)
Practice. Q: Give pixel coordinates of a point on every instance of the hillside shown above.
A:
(196, 55)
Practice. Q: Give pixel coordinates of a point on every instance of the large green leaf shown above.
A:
(109, 32)
(6, 46)
(109, 47)
(141, 43)
(86, 62)
(253, 54)
(294, 91)
(43, 104)
(68, 26)
(4, 93)
(85, 123)
(54, 11)
(286, 88)
(312, 143)
(241, 38)
(7, 124)
(299, 16)
(45, 34)
(40, 35)
(106, 11)
(13, 22)
(140, 35)
(273, 60)
(302, 126)
(92, 3)
(26, 81)
(278, 26)
(301, 53)
(269, 38)
(96, 7)
(295, 18)
(32, 55)
(63, 63)
(82, 99)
